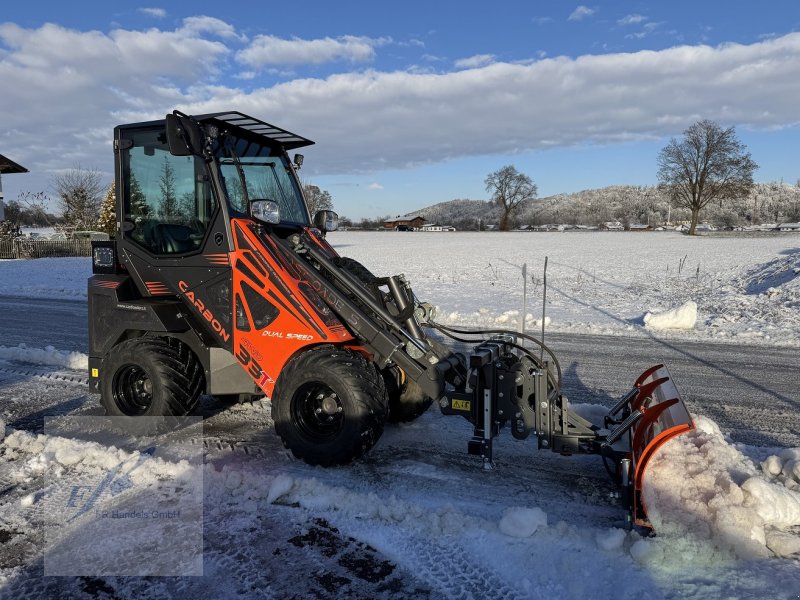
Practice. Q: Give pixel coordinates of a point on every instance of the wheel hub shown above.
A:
(330, 405)
(133, 390)
(317, 411)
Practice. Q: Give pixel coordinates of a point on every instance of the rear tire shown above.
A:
(329, 406)
(151, 377)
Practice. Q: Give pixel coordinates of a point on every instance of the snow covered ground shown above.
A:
(417, 517)
(746, 288)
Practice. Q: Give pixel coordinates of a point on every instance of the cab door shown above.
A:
(175, 240)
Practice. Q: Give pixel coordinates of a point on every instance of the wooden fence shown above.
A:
(28, 248)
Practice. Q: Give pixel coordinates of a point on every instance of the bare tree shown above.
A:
(316, 199)
(80, 192)
(709, 163)
(509, 189)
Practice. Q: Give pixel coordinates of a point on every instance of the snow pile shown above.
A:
(522, 522)
(611, 539)
(252, 490)
(683, 317)
(45, 356)
(52, 453)
(784, 467)
(709, 503)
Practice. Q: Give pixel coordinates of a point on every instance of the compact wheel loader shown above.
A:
(218, 282)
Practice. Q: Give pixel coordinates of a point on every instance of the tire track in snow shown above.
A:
(44, 373)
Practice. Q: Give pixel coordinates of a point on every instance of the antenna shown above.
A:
(544, 309)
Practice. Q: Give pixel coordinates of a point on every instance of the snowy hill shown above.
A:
(767, 203)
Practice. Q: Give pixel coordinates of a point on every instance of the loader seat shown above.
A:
(170, 238)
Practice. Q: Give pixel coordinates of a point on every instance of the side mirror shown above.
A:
(266, 211)
(326, 220)
(184, 135)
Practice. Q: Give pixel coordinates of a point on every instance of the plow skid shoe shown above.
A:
(663, 416)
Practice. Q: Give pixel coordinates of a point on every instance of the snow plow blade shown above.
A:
(652, 413)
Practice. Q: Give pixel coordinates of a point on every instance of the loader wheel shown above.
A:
(329, 406)
(406, 399)
(152, 377)
(355, 268)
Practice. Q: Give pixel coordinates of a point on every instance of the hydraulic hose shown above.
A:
(449, 331)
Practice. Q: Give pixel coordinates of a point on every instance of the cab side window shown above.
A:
(168, 199)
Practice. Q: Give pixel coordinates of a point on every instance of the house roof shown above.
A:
(406, 218)
(9, 166)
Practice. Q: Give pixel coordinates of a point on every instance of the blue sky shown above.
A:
(410, 103)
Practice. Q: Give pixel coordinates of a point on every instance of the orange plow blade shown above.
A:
(662, 415)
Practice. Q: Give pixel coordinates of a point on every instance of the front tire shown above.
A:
(329, 406)
(151, 377)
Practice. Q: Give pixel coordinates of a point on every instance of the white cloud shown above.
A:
(217, 27)
(580, 13)
(158, 13)
(479, 60)
(64, 90)
(542, 20)
(631, 19)
(272, 50)
(647, 29)
(375, 186)
(60, 84)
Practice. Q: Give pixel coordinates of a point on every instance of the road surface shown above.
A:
(749, 390)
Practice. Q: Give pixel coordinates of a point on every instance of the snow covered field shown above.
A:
(746, 288)
(417, 517)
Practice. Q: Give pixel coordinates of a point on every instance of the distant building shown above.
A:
(7, 166)
(407, 223)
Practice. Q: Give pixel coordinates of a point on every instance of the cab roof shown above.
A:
(287, 139)
(248, 127)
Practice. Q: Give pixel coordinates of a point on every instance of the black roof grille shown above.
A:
(287, 139)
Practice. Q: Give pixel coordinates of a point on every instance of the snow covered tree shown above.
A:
(80, 192)
(107, 222)
(139, 206)
(316, 199)
(510, 189)
(708, 164)
(9, 230)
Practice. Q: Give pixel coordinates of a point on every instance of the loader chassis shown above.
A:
(218, 283)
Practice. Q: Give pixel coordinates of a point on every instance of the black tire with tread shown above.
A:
(406, 399)
(175, 373)
(359, 389)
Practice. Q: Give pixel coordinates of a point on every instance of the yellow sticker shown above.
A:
(95, 372)
(461, 405)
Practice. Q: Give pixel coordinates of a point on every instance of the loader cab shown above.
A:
(178, 176)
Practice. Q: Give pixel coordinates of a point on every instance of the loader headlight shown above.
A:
(104, 260)
(103, 257)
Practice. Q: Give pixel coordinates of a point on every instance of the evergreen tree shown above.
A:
(168, 206)
(107, 222)
(138, 201)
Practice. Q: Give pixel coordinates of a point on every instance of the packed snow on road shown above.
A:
(418, 517)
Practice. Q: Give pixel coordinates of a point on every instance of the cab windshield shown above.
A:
(252, 171)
